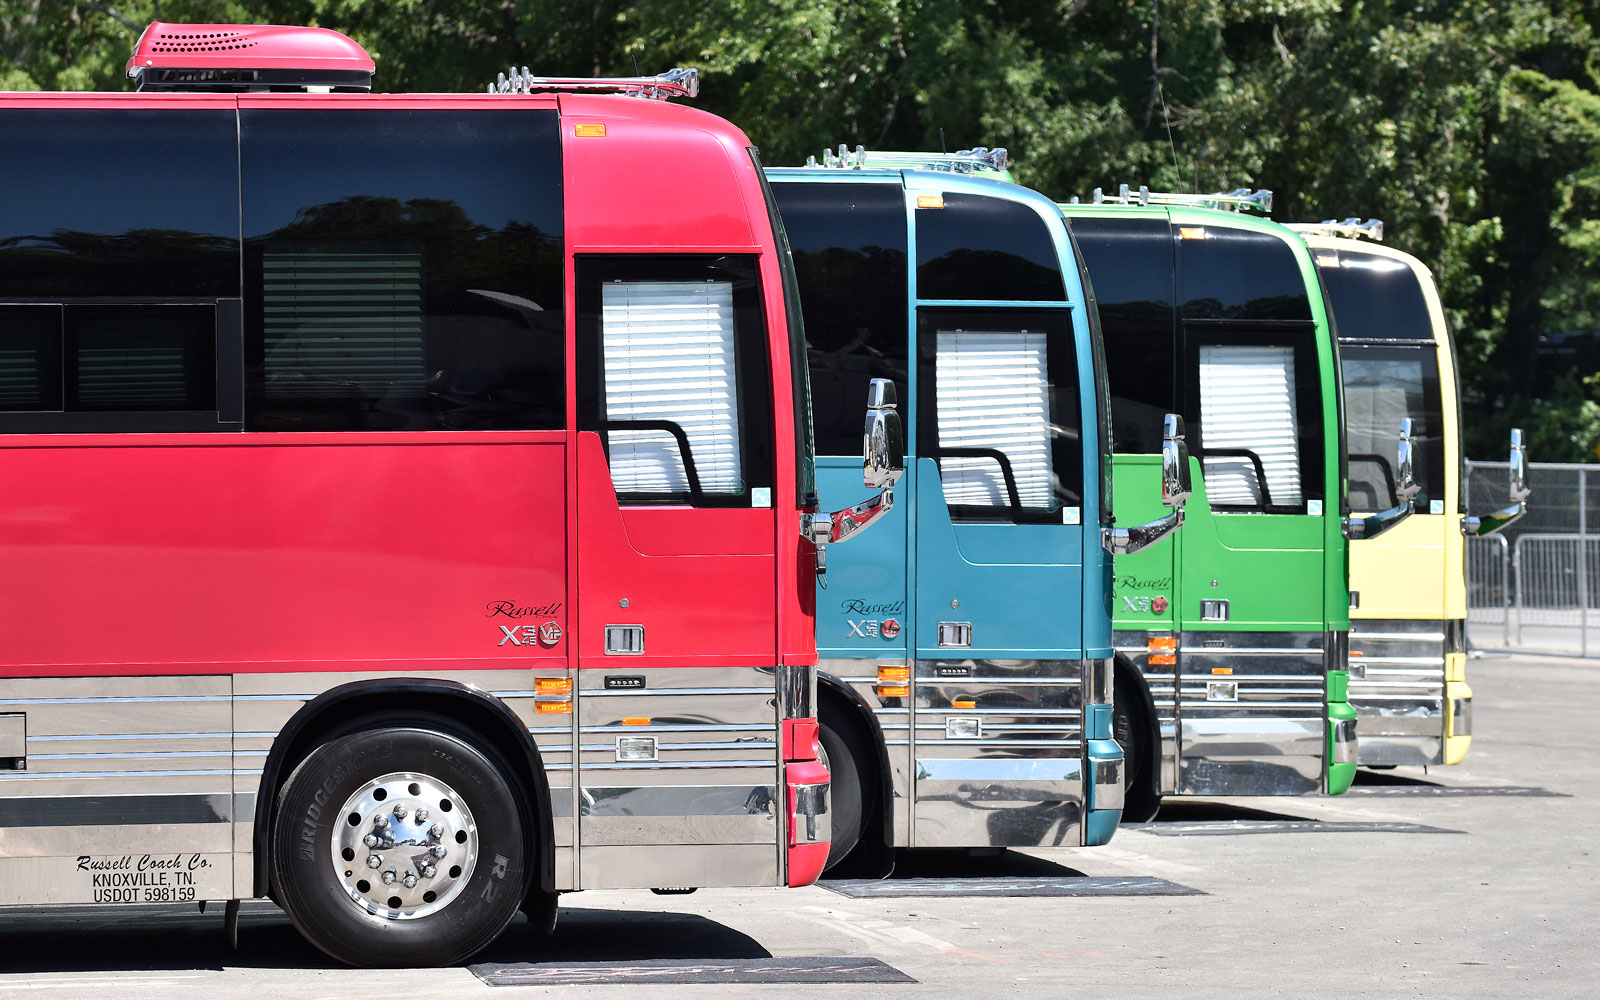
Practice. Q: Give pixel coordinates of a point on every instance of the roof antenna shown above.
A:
(635, 63)
(941, 141)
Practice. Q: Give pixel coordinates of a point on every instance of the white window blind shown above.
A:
(994, 392)
(1247, 400)
(669, 355)
(336, 320)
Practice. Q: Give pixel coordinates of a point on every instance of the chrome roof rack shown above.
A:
(1239, 200)
(962, 161)
(677, 82)
(1351, 229)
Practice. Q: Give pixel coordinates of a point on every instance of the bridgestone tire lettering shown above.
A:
(309, 889)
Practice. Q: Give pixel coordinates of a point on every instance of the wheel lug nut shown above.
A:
(399, 811)
(422, 815)
(374, 860)
(437, 850)
(410, 880)
(371, 840)
(380, 820)
(388, 877)
(436, 830)
(428, 871)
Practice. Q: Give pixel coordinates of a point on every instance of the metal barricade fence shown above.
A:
(1537, 583)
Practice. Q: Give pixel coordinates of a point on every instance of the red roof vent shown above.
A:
(248, 57)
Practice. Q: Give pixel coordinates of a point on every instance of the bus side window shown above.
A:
(120, 273)
(999, 411)
(397, 284)
(672, 373)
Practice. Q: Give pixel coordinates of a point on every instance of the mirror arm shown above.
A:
(821, 529)
(1373, 525)
(1488, 524)
(1125, 541)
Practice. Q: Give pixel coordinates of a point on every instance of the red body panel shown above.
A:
(212, 554)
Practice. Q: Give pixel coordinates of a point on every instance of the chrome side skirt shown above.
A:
(1397, 686)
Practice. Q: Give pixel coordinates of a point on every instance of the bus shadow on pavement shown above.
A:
(1207, 811)
(958, 863)
(1397, 783)
(148, 939)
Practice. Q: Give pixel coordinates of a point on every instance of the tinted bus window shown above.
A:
(977, 247)
(118, 203)
(118, 248)
(1373, 297)
(1235, 274)
(1130, 265)
(849, 245)
(404, 269)
(1382, 385)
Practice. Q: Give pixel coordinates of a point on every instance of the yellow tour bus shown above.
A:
(1408, 600)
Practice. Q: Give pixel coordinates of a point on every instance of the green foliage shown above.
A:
(1472, 127)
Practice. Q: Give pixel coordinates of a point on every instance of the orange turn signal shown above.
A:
(552, 685)
(894, 691)
(893, 675)
(1165, 643)
(1162, 659)
(930, 201)
(552, 708)
(589, 130)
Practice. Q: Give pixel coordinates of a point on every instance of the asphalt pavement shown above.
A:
(1471, 881)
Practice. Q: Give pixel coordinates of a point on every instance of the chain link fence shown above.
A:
(1535, 586)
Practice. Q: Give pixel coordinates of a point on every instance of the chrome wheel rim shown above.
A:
(404, 845)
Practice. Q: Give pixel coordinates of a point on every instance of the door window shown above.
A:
(1002, 416)
(1259, 421)
(673, 370)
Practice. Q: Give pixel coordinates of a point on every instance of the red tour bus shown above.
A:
(408, 507)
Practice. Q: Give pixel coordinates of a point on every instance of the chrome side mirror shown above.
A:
(1405, 466)
(883, 450)
(1519, 467)
(1518, 487)
(1175, 487)
(1405, 488)
(883, 444)
(1174, 493)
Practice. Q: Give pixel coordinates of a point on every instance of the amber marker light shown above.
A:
(1192, 232)
(894, 682)
(1225, 671)
(930, 201)
(1163, 650)
(552, 708)
(963, 703)
(589, 130)
(635, 721)
(552, 685)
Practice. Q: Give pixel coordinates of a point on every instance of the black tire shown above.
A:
(313, 890)
(1131, 730)
(852, 795)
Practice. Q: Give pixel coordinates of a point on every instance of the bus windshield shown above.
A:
(1382, 384)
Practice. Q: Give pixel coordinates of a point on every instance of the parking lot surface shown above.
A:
(1472, 881)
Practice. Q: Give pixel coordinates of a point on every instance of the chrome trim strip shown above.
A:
(679, 765)
(590, 692)
(143, 736)
(28, 775)
(1250, 650)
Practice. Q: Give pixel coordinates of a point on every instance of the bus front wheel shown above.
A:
(845, 752)
(400, 846)
(1130, 728)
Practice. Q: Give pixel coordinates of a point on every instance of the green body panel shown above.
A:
(1279, 572)
(1339, 776)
